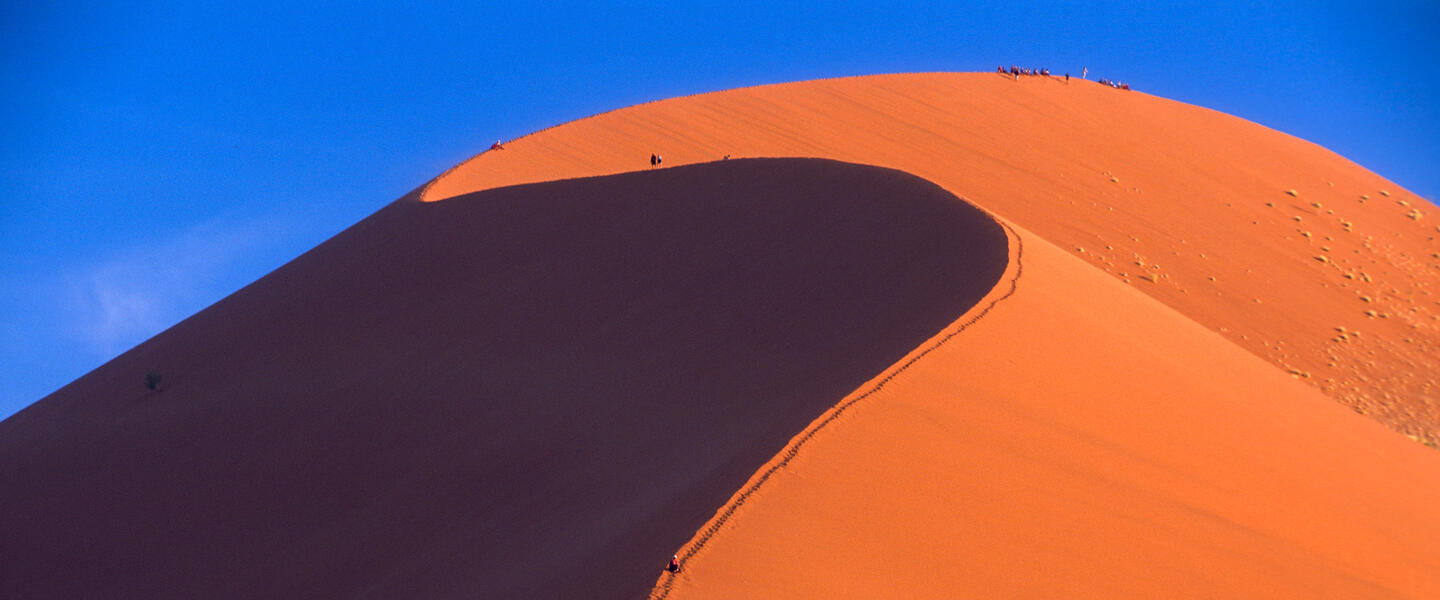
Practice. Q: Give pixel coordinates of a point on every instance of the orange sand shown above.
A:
(1088, 438)
(1083, 441)
(1187, 204)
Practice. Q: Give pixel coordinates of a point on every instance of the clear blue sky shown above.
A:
(154, 158)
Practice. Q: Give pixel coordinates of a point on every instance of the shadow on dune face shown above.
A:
(536, 391)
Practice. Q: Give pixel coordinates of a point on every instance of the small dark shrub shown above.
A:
(152, 379)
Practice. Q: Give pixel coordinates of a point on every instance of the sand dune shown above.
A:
(539, 391)
(809, 378)
(1081, 440)
(1186, 204)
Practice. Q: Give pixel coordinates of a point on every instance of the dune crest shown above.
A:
(1322, 268)
(1000, 293)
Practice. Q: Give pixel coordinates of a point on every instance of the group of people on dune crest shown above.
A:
(1016, 72)
(1114, 84)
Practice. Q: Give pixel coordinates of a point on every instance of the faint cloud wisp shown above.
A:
(128, 298)
(113, 314)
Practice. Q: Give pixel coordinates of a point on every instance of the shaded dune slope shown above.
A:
(534, 391)
(1191, 206)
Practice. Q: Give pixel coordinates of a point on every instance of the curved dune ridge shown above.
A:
(536, 391)
(1301, 257)
(1114, 425)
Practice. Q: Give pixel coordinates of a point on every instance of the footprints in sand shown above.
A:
(1360, 256)
(1116, 179)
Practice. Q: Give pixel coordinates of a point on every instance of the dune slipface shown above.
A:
(533, 391)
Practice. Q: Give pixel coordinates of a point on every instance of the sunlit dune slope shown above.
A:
(538, 391)
(1306, 259)
(1070, 437)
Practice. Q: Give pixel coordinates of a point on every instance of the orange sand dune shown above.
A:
(441, 403)
(1335, 284)
(534, 392)
(1076, 439)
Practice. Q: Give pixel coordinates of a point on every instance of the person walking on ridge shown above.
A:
(674, 566)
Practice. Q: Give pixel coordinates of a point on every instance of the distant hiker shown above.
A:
(659, 159)
(674, 566)
(496, 146)
(654, 160)
(1067, 78)
(727, 157)
(1084, 72)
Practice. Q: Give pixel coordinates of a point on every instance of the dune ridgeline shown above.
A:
(911, 336)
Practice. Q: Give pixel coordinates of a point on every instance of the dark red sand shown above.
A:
(536, 391)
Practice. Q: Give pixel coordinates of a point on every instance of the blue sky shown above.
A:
(155, 158)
